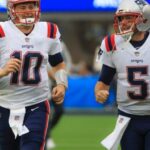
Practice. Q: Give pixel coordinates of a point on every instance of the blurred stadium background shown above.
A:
(83, 24)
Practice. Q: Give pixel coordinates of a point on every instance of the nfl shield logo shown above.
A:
(27, 39)
(137, 53)
(17, 118)
(121, 120)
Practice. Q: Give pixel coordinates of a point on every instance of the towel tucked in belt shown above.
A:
(16, 119)
(111, 142)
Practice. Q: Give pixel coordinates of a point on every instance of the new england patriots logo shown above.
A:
(100, 52)
(140, 2)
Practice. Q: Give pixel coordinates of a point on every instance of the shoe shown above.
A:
(50, 144)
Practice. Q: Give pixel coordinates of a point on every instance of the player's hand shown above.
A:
(58, 93)
(12, 65)
(101, 95)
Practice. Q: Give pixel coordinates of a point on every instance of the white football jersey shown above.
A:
(133, 73)
(29, 86)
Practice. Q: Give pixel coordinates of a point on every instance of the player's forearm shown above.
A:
(60, 74)
(59, 66)
(2, 73)
(51, 74)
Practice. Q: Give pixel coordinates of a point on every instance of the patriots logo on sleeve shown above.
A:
(100, 52)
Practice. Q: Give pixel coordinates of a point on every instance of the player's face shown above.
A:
(126, 22)
(25, 10)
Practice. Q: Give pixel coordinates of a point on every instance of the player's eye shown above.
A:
(31, 6)
(22, 7)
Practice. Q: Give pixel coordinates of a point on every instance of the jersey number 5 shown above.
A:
(136, 82)
(30, 72)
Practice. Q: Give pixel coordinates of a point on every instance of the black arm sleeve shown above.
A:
(107, 74)
(55, 59)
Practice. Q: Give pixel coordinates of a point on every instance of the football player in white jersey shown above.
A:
(26, 46)
(127, 54)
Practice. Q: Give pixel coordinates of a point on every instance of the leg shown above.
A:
(147, 141)
(31, 146)
(37, 122)
(132, 139)
(7, 140)
(57, 114)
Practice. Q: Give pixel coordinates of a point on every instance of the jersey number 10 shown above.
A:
(30, 70)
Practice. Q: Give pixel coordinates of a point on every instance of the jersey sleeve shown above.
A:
(2, 33)
(107, 46)
(54, 35)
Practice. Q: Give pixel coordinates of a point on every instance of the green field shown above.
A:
(82, 132)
